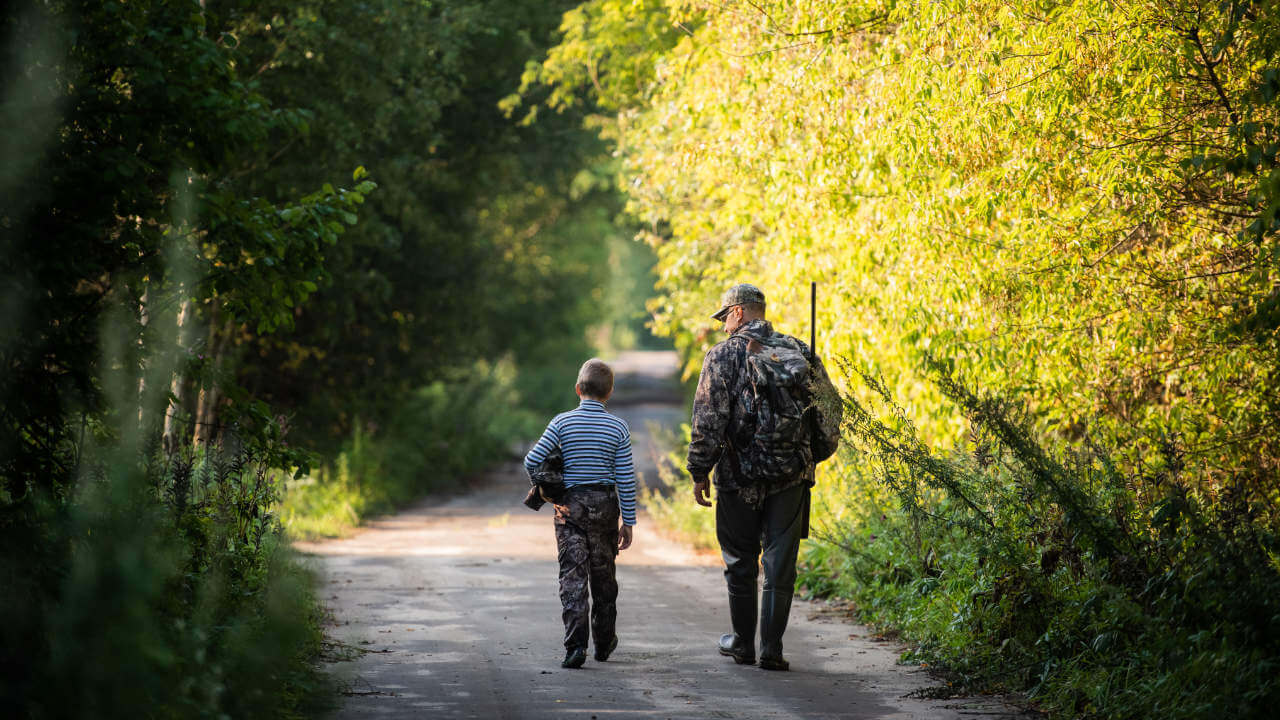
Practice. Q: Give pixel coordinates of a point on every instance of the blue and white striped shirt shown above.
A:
(597, 449)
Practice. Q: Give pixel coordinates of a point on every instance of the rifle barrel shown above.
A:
(813, 316)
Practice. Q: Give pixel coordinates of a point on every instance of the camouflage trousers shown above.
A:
(586, 544)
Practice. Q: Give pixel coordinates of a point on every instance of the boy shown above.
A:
(600, 485)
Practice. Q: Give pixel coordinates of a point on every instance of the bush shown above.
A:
(161, 590)
(671, 506)
(439, 435)
(1031, 563)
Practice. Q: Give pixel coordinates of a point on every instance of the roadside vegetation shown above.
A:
(439, 435)
(267, 269)
(270, 268)
(668, 500)
(1045, 241)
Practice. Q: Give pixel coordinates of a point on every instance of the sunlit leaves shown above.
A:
(1074, 200)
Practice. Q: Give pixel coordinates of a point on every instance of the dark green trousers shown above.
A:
(745, 532)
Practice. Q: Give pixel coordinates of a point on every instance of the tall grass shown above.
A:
(441, 433)
(162, 589)
(671, 504)
(1022, 562)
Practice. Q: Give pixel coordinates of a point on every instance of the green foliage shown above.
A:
(485, 239)
(120, 202)
(1075, 203)
(671, 505)
(163, 589)
(262, 261)
(623, 305)
(442, 433)
(611, 47)
(171, 277)
(1017, 566)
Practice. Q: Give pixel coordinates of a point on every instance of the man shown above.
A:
(763, 465)
(600, 485)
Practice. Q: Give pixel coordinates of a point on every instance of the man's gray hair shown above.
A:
(595, 379)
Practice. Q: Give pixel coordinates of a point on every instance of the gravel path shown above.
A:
(455, 606)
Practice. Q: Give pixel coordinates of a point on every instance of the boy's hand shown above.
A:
(624, 537)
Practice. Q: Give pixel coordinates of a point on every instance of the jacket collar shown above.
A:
(759, 329)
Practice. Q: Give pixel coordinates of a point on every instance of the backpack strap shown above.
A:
(753, 345)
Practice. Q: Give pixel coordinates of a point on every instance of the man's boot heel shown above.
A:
(603, 652)
(775, 606)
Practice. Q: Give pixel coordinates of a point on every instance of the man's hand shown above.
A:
(702, 492)
(624, 537)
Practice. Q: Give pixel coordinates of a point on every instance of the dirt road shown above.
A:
(455, 602)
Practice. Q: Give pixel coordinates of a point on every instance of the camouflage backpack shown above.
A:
(780, 379)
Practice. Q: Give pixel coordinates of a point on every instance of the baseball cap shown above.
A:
(739, 294)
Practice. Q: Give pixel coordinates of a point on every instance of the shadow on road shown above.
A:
(454, 605)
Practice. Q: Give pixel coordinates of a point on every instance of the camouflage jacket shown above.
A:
(724, 416)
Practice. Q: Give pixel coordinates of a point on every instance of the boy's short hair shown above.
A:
(595, 379)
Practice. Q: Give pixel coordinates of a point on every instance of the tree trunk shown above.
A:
(205, 418)
(177, 407)
(144, 317)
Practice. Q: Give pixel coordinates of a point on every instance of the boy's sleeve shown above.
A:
(624, 476)
(548, 442)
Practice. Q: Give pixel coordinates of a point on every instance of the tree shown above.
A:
(485, 238)
(1078, 205)
(128, 208)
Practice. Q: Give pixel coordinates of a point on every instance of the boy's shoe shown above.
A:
(603, 654)
(574, 658)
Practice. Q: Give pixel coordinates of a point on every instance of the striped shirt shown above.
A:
(597, 449)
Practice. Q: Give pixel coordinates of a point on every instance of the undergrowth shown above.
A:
(163, 589)
(438, 436)
(671, 505)
(1021, 562)
(1024, 564)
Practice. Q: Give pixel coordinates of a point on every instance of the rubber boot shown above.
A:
(741, 643)
(775, 606)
